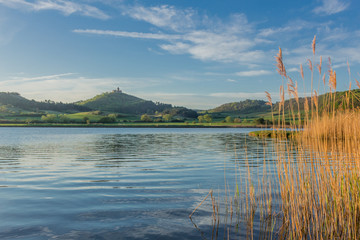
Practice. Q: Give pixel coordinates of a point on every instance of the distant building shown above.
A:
(117, 90)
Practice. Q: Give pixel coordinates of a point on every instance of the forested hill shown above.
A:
(13, 99)
(247, 106)
(120, 102)
(109, 102)
(325, 99)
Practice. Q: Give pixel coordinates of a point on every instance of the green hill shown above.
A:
(324, 101)
(120, 102)
(247, 106)
(12, 101)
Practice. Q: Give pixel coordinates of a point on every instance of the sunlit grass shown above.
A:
(317, 191)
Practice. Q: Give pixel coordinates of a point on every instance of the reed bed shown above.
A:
(317, 191)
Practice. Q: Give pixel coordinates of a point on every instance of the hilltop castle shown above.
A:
(117, 90)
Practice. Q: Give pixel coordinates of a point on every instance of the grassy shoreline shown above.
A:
(131, 125)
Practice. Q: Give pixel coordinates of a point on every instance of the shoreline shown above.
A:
(127, 126)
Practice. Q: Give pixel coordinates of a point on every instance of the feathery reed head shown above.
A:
(357, 83)
(315, 99)
(310, 64)
(332, 79)
(306, 105)
(319, 65)
(302, 71)
(313, 44)
(279, 64)
(329, 65)
(268, 96)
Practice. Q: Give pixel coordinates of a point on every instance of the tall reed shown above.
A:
(320, 184)
(318, 172)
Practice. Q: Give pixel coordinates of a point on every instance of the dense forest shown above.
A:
(247, 106)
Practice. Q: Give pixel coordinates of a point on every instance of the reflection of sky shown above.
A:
(74, 182)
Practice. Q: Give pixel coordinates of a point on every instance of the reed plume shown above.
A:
(313, 44)
(268, 96)
(279, 64)
(357, 83)
(332, 80)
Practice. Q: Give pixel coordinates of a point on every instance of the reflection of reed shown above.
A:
(215, 216)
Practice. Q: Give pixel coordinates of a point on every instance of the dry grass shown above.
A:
(320, 184)
(318, 173)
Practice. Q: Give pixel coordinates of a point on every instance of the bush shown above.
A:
(167, 117)
(86, 119)
(207, 118)
(259, 121)
(107, 119)
(145, 118)
(229, 119)
(49, 118)
(237, 120)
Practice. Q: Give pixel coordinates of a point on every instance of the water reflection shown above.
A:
(114, 183)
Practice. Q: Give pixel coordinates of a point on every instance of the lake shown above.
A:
(116, 183)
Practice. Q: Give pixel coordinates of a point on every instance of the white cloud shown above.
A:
(253, 73)
(230, 80)
(157, 36)
(293, 26)
(330, 7)
(202, 45)
(41, 78)
(163, 16)
(198, 36)
(294, 69)
(64, 6)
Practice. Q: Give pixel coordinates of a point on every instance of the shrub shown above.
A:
(107, 119)
(259, 121)
(237, 120)
(229, 119)
(145, 118)
(167, 117)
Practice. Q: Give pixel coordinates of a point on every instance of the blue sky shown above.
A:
(197, 54)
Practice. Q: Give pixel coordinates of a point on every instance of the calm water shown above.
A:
(69, 183)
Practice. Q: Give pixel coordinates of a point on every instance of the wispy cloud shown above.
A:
(330, 7)
(64, 6)
(157, 36)
(293, 69)
(41, 78)
(230, 80)
(163, 16)
(199, 36)
(253, 73)
(293, 26)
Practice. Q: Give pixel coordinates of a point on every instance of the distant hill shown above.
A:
(181, 111)
(10, 100)
(247, 106)
(120, 102)
(324, 99)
